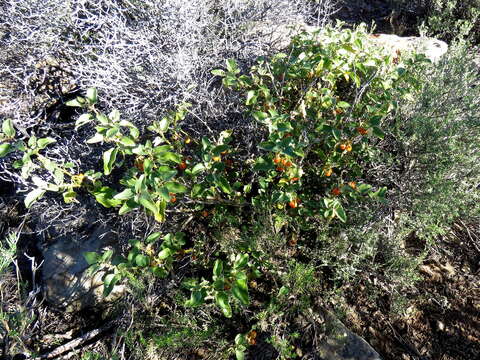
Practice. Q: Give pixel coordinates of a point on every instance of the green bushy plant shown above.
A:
(454, 19)
(324, 110)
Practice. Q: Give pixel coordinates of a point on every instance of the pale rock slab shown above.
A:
(66, 283)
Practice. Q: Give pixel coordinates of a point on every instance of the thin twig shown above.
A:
(71, 345)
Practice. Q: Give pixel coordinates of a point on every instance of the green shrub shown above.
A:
(454, 19)
(356, 150)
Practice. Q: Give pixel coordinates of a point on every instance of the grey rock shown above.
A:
(342, 344)
(66, 283)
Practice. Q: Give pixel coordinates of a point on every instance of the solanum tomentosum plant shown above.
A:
(322, 103)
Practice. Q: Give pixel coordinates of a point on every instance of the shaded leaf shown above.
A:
(33, 196)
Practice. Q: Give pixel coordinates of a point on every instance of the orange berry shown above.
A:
(251, 337)
(276, 160)
(294, 179)
(362, 130)
(173, 198)
(204, 213)
(336, 191)
(293, 204)
(349, 147)
(139, 164)
(182, 165)
(328, 172)
(352, 184)
(279, 168)
(343, 146)
(292, 241)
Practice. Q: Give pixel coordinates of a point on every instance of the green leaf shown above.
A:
(77, 102)
(82, 120)
(124, 195)
(109, 283)
(32, 142)
(198, 169)
(157, 210)
(159, 272)
(197, 297)
(147, 203)
(8, 129)
(92, 96)
(240, 354)
(164, 193)
(260, 116)
(218, 72)
(205, 143)
(221, 299)
(377, 132)
(166, 173)
(343, 104)
(175, 187)
(165, 253)
(197, 190)
(142, 260)
(127, 141)
(5, 149)
(112, 132)
(163, 124)
(114, 115)
(33, 196)
(152, 237)
(104, 196)
(232, 66)
(106, 256)
(158, 150)
(217, 150)
(340, 213)
(251, 98)
(336, 133)
(174, 241)
(262, 165)
(69, 197)
(223, 184)
(109, 158)
(240, 261)
(95, 139)
(218, 267)
(239, 291)
(91, 257)
(127, 207)
(102, 119)
(43, 143)
(169, 156)
(134, 132)
(139, 184)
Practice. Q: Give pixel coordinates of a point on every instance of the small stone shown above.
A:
(440, 326)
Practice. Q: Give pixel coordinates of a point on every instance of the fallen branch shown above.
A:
(71, 345)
